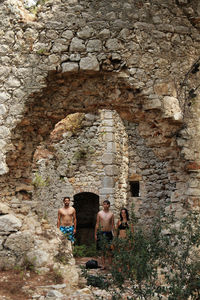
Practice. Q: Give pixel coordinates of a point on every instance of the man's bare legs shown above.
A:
(103, 260)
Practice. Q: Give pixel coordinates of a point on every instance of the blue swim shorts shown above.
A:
(68, 231)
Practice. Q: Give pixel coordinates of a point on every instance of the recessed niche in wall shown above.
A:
(135, 188)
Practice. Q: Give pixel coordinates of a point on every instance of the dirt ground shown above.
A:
(19, 285)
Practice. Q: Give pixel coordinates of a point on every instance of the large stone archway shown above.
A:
(82, 57)
(36, 142)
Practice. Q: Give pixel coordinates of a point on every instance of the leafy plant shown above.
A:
(96, 281)
(85, 250)
(43, 51)
(38, 181)
(161, 261)
(80, 154)
(62, 257)
(57, 276)
(27, 265)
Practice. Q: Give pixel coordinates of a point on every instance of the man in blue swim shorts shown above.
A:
(67, 220)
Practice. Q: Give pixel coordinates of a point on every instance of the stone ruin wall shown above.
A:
(135, 58)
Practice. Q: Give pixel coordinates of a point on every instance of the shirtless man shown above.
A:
(104, 231)
(67, 220)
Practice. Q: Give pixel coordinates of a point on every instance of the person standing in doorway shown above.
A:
(104, 232)
(67, 220)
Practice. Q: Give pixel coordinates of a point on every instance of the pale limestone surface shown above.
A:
(132, 71)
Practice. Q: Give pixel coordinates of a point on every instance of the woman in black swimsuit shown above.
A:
(122, 224)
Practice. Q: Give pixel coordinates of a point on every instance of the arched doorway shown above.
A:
(87, 207)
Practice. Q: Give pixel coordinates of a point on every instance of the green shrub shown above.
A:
(161, 261)
(85, 250)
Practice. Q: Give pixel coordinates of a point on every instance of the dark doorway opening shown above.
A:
(135, 188)
(87, 207)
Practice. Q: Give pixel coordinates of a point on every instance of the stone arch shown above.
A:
(83, 92)
(87, 206)
(90, 190)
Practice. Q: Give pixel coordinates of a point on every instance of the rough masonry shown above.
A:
(94, 96)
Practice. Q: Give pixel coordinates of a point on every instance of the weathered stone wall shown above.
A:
(138, 58)
(75, 167)
(158, 178)
(91, 157)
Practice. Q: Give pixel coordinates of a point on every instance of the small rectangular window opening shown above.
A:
(135, 188)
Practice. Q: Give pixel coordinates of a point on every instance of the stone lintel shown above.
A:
(135, 177)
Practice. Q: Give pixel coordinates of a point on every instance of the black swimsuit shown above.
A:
(123, 226)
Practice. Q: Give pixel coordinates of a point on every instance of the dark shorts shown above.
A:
(104, 240)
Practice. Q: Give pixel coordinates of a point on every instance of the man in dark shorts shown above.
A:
(104, 232)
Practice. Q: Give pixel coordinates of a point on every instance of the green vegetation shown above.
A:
(99, 281)
(83, 152)
(57, 276)
(39, 182)
(62, 257)
(85, 250)
(43, 51)
(159, 262)
(34, 9)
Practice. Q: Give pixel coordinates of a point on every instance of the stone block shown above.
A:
(53, 59)
(171, 108)
(107, 114)
(135, 177)
(113, 45)
(109, 137)
(106, 191)
(3, 168)
(107, 158)
(4, 209)
(24, 187)
(69, 67)
(105, 129)
(2, 109)
(4, 132)
(19, 242)
(77, 45)
(38, 258)
(53, 294)
(152, 104)
(75, 57)
(94, 46)
(193, 192)
(67, 34)
(161, 89)
(1, 243)
(108, 122)
(111, 170)
(110, 147)
(4, 97)
(85, 33)
(104, 34)
(9, 223)
(108, 182)
(89, 63)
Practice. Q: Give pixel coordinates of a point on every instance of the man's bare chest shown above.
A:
(106, 217)
(67, 212)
